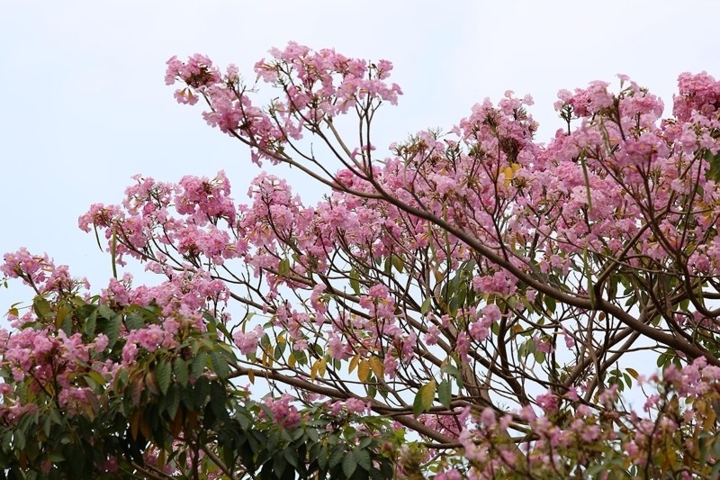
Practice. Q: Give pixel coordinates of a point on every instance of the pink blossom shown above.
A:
(451, 474)
(248, 342)
(284, 414)
(478, 331)
(431, 337)
(590, 433)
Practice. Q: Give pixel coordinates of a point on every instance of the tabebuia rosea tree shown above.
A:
(469, 304)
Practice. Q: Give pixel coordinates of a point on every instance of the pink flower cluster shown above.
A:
(149, 339)
(699, 93)
(186, 293)
(316, 86)
(40, 273)
(44, 360)
(351, 405)
(283, 412)
(640, 437)
(247, 342)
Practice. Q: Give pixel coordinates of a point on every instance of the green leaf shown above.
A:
(42, 308)
(684, 305)
(278, 465)
(217, 324)
(134, 321)
(96, 378)
(19, 437)
(424, 398)
(217, 400)
(284, 267)
(387, 267)
(300, 357)
(112, 329)
(527, 348)
(265, 343)
(164, 375)
(365, 442)
(55, 457)
(628, 380)
(336, 457)
(453, 371)
(220, 365)
(67, 325)
(290, 455)
(90, 323)
(713, 172)
(106, 312)
(425, 305)
(704, 446)
(397, 262)
(198, 364)
(312, 434)
(201, 391)
(279, 350)
(371, 390)
(181, 371)
(349, 464)
(173, 400)
(55, 417)
(550, 304)
(355, 281)
(323, 458)
(47, 425)
(362, 458)
(445, 393)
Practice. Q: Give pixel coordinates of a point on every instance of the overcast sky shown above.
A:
(85, 106)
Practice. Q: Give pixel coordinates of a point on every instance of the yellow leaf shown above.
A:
(378, 367)
(701, 407)
(135, 423)
(318, 368)
(353, 363)
(322, 367)
(96, 377)
(291, 360)
(162, 458)
(363, 370)
(672, 459)
(251, 376)
(145, 429)
(267, 360)
(313, 370)
(633, 373)
(509, 173)
(424, 398)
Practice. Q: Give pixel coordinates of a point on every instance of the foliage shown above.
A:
(81, 407)
(473, 305)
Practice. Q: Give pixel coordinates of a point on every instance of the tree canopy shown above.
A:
(470, 304)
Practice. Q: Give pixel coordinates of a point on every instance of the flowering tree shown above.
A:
(471, 305)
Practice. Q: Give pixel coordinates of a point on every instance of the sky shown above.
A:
(85, 106)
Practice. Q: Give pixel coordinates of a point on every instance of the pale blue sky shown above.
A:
(85, 105)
